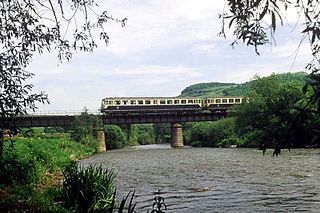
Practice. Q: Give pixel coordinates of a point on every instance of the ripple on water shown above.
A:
(217, 180)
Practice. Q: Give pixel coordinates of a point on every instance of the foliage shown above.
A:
(251, 20)
(87, 189)
(130, 207)
(145, 134)
(52, 130)
(223, 89)
(158, 204)
(115, 137)
(19, 169)
(211, 134)
(162, 132)
(206, 89)
(26, 198)
(27, 159)
(272, 115)
(84, 128)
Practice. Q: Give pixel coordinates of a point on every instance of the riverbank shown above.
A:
(33, 171)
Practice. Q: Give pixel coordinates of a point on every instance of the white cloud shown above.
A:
(166, 46)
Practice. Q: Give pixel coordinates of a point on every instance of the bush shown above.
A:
(84, 128)
(90, 141)
(210, 134)
(19, 169)
(26, 160)
(145, 138)
(87, 189)
(255, 138)
(229, 141)
(115, 138)
(28, 199)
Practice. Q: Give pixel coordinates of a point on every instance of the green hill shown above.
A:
(214, 89)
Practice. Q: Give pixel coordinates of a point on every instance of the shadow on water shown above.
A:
(217, 180)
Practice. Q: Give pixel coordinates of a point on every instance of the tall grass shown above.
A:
(88, 189)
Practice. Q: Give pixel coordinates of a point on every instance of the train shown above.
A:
(156, 104)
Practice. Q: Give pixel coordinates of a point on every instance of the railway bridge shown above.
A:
(49, 119)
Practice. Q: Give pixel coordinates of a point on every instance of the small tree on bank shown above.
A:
(84, 129)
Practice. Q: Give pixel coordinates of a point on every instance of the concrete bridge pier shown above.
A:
(102, 140)
(176, 135)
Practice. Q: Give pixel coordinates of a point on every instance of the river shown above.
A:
(216, 179)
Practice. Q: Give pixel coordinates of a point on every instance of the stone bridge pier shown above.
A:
(176, 135)
(102, 140)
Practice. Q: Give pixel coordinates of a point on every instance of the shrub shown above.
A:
(210, 134)
(84, 128)
(115, 138)
(19, 169)
(145, 138)
(229, 141)
(87, 189)
(28, 199)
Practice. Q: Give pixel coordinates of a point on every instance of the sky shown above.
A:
(165, 46)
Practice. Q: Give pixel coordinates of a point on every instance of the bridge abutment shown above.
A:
(102, 140)
(176, 135)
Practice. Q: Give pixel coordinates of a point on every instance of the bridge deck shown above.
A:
(127, 118)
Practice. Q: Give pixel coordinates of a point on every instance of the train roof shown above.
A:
(177, 97)
(152, 98)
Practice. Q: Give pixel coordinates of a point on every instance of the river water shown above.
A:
(216, 179)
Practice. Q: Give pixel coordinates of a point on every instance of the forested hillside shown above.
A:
(223, 89)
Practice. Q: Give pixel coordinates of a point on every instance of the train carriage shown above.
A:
(221, 103)
(149, 104)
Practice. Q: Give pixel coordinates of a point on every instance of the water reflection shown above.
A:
(217, 180)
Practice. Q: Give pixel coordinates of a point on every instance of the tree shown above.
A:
(34, 26)
(115, 137)
(84, 129)
(273, 112)
(254, 22)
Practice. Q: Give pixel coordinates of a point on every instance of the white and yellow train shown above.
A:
(155, 104)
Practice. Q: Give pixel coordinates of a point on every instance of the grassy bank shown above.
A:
(32, 171)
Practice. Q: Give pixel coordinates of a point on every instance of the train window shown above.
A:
(162, 102)
(231, 100)
(124, 102)
(132, 102)
(110, 102)
(118, 102)
(155, 101)
(147, 102)
(190, 101)
(183, 101)
(238, 100)
(218, 101)
(224, 100)
(169, 101)
(176, 101)
(140, 102)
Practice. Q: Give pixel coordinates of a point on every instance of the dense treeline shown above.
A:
(275, 116)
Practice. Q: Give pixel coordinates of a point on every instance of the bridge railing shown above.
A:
(61, 113)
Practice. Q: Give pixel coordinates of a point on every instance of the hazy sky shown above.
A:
(166, 46)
